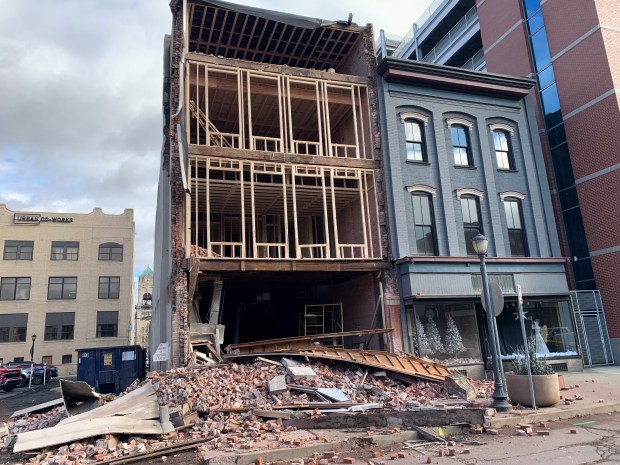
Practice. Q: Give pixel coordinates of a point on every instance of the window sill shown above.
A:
(465, 167)
(502, 170)
(416, 162)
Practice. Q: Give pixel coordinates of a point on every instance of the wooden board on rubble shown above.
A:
(38, 408)
(63, 434)
(140, 404)
(292, 343)
(78, 396)
(402, 363)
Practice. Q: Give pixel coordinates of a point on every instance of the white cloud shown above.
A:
(80, 86)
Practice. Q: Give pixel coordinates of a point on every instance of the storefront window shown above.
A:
(446, 332)
(548, 323)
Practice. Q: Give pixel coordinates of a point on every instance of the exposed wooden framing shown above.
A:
(250, 131)
(354, 107)
(328, 252)
(326, 125)
(254, 245)
(285, 202)
(295, 218)
(318, 116)
(270, 198)
(362, 129)
(208, 208)
(241, 112)
(218, 45)
(363, 210)
(311, 265)
(232, 29)
(334, 216)
(364, 178)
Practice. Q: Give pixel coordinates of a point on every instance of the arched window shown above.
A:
(461, 146)
(111, 251)
(415, 141)
(423, 223)
(503, 150)
(514, 223)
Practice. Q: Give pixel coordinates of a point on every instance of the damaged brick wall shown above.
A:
(178, 279)
(365, 57)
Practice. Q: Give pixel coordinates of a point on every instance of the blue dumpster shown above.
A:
(111, 369)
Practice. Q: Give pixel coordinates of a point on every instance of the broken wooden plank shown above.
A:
(266, 360)
(403, 363)
(78, 397)
(422, 417)
(289, 343)
(140, 404)
(87, 428)
(38, 408)
(274, 414)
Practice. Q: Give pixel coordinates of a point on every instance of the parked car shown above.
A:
(10, 378)
(41, 372)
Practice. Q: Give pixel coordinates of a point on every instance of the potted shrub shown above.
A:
(544, 379)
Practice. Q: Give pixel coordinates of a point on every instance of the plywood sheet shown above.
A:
(63, 434)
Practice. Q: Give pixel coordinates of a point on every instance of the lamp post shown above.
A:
(500, 402)
(34, 338)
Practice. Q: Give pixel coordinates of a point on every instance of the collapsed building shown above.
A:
(271, 218)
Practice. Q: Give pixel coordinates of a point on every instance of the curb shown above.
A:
(552, 414)
(305, 451)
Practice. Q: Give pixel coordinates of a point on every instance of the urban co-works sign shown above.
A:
(36, 218)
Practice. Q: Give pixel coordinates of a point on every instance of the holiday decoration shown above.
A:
(453, 340)
(434, 339)
(424, 349)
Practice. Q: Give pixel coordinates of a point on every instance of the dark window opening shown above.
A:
(470, 207)
(111, 251)
(424, 224)
(18, 250)
(414, 138)
(62, 288)
(461, 146)
(15, 289)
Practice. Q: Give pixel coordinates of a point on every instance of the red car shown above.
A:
(10, 378)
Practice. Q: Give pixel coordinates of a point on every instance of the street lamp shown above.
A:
(34, 338)
(500, 402)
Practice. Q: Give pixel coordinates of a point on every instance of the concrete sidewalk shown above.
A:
(593, 391)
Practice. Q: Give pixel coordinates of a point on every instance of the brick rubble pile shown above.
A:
(216, 390)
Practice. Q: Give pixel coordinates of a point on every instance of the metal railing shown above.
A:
(476, 62)
(453, 34)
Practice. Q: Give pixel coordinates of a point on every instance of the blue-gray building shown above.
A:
(462, 155)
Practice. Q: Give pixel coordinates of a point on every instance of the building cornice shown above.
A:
(417, 72)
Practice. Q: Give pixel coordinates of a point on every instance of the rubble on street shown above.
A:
(229, 407)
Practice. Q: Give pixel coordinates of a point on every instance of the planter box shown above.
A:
(546, 389)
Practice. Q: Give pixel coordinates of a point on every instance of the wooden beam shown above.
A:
(317, 265)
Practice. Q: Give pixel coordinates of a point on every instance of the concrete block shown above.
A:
(277, 384)
(460, 385)
(301, 372)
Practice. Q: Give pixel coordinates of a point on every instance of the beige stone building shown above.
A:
(66, 278)
(143, 311)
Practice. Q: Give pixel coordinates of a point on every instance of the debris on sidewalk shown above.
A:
(228, 407)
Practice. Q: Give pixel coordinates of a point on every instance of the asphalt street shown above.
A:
(21, 398)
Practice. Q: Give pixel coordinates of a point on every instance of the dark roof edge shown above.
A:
(278, 16)
(452, 73)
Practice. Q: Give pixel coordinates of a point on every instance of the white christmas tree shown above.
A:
(454, 341)
(434, 339)
(424, 349)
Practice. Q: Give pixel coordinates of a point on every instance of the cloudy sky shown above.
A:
(80, 99)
